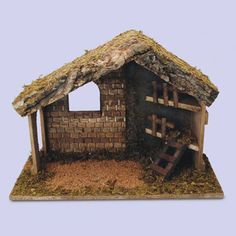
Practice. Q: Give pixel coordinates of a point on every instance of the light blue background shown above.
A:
(37, 37)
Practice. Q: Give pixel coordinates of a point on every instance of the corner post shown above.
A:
(199, 120)
(34, 142)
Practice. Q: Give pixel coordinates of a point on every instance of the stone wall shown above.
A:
(78, 131)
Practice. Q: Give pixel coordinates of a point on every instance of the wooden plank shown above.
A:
(154, 86)
(165, 93)
(149, 131)
(34, 142)
(154, 124)
(180, 105)
(198, 126)
(175, 97)
(217, 194)
(168, 124)
(149, 99)
(191, 146)
(163, 127)
(43, 130)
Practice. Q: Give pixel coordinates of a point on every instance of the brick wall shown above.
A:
(77, 131)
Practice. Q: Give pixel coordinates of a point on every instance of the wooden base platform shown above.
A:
(118, 197)
(185, 183)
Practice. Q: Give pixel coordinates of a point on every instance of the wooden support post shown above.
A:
(34, 143)
(154, 86)
(198, 125)
(163, 127)
(154, 124)
(175, 97)
(165, 94)
(43, 130)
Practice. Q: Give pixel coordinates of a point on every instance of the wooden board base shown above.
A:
(118, 197)
(24, 190)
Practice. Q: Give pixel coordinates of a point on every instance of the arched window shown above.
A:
(85, 98)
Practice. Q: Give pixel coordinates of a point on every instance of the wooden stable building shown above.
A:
(147, 95)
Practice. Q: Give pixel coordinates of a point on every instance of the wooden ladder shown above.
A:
(168, 158)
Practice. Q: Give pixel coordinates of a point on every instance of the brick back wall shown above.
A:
(77, 131)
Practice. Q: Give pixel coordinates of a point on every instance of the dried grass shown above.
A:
(95, 174)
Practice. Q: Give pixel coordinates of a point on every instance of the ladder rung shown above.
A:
(167, 157)
(161, 170)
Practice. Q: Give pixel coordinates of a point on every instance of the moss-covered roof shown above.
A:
(128, 46)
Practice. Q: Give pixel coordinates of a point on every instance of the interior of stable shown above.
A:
(156, 111)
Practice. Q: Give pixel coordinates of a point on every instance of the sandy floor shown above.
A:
(95, 173)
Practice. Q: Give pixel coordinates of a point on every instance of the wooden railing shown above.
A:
(163, 98)
(160, 126)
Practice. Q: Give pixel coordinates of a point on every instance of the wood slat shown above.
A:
(154, 86)
(180, 105)
(191, 146)
(165, 94)
(163, 127)
(158, 121)
(175, 97)
(154, 124)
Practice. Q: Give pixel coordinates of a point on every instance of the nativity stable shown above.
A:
(149, 100)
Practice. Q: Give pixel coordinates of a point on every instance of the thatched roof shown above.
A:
(128, 46)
